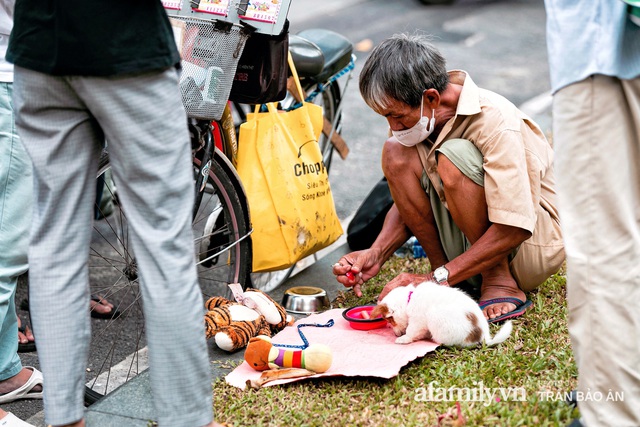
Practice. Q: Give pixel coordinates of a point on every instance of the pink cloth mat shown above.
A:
(356, 353)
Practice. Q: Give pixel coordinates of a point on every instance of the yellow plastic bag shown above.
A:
(290, 201)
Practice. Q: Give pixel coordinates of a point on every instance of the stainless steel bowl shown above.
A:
(305, 300)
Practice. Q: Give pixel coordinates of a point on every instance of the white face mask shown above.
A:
(419, 132)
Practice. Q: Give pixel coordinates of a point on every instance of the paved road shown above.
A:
(500, 43)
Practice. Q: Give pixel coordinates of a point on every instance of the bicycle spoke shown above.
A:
(125, 253)
(220, 234)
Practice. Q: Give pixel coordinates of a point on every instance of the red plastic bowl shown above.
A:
(354, 316)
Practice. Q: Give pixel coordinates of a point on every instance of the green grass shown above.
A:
(535, 365)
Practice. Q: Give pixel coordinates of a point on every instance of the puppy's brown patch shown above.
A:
(381, 310)
(476, 333)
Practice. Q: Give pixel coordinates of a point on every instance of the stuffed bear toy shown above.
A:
(232, 324)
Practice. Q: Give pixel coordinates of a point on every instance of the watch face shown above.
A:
(441, 274)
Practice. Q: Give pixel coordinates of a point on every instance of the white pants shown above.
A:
(596, 134)
(63, 122)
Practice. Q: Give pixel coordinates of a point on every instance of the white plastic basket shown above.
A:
(210, 53)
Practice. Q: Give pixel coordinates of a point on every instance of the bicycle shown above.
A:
(221, 221)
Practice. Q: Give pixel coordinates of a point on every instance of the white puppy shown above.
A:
(437, 313)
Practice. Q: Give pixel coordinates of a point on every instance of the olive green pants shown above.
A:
(534, 261)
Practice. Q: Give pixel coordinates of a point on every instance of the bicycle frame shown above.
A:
(219, 142)
(224, 135)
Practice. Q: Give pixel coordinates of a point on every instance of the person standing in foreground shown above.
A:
(86, 71)
(16, 381)
(594, 58)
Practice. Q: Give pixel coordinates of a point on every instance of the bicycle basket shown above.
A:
(210, 53)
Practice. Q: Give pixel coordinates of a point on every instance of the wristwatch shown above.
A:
(441, 275)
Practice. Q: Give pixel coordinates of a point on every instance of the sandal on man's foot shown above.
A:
(11, 420)
(26, 390)
(26, 347)
(30, 345)
(521, 307)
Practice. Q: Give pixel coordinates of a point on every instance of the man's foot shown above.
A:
(492, 291)
(101, 308)
(27, 376)
(26, 340)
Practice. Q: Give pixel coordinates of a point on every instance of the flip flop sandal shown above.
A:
(11, 420)
(521, 307)
(26, 390)
(26, 347)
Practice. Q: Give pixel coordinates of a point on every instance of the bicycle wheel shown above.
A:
(118, 346)
(329, 100)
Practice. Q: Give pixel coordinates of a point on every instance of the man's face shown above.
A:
(400, 116)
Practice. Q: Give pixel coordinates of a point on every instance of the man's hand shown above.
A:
(356, 268)
(403, 279)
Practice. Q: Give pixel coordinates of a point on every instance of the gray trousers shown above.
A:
(63, 122)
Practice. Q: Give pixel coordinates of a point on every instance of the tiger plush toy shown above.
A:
(232, 324)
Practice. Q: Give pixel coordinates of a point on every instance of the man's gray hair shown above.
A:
(401, 68)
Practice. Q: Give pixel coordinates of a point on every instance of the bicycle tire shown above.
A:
(329, 99)
(121, 341)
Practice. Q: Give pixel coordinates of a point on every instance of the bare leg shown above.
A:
(402, 167)
(468, 207)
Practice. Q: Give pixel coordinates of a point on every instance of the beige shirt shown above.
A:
(518, 159)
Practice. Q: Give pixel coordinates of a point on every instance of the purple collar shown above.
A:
(409, 297)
